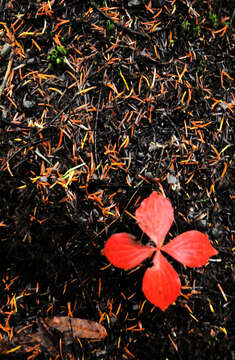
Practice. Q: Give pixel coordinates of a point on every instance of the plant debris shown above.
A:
(142, 101)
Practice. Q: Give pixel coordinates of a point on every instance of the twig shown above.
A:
(22, 148)
(6, 74)
(96, 120)
(118, 218)
(119, 25)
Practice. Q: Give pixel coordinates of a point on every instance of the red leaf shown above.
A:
(192, 248)
(155, 217)
(123, 252)
(161, 283)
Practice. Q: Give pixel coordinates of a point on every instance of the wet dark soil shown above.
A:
(102, 103)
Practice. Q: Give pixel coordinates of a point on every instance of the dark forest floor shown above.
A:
(95, 115)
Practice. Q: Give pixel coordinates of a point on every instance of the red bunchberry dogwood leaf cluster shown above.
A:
(161, 283)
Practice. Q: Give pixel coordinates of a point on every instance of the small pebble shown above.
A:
(5, 50)
(171, 179)
(202, 224)
(28, 104)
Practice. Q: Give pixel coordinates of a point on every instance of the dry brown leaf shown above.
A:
(86, 329)
(50, 331)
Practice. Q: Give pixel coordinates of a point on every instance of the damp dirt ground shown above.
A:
(102, 103)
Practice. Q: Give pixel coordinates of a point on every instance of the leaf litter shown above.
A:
(143, 95)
